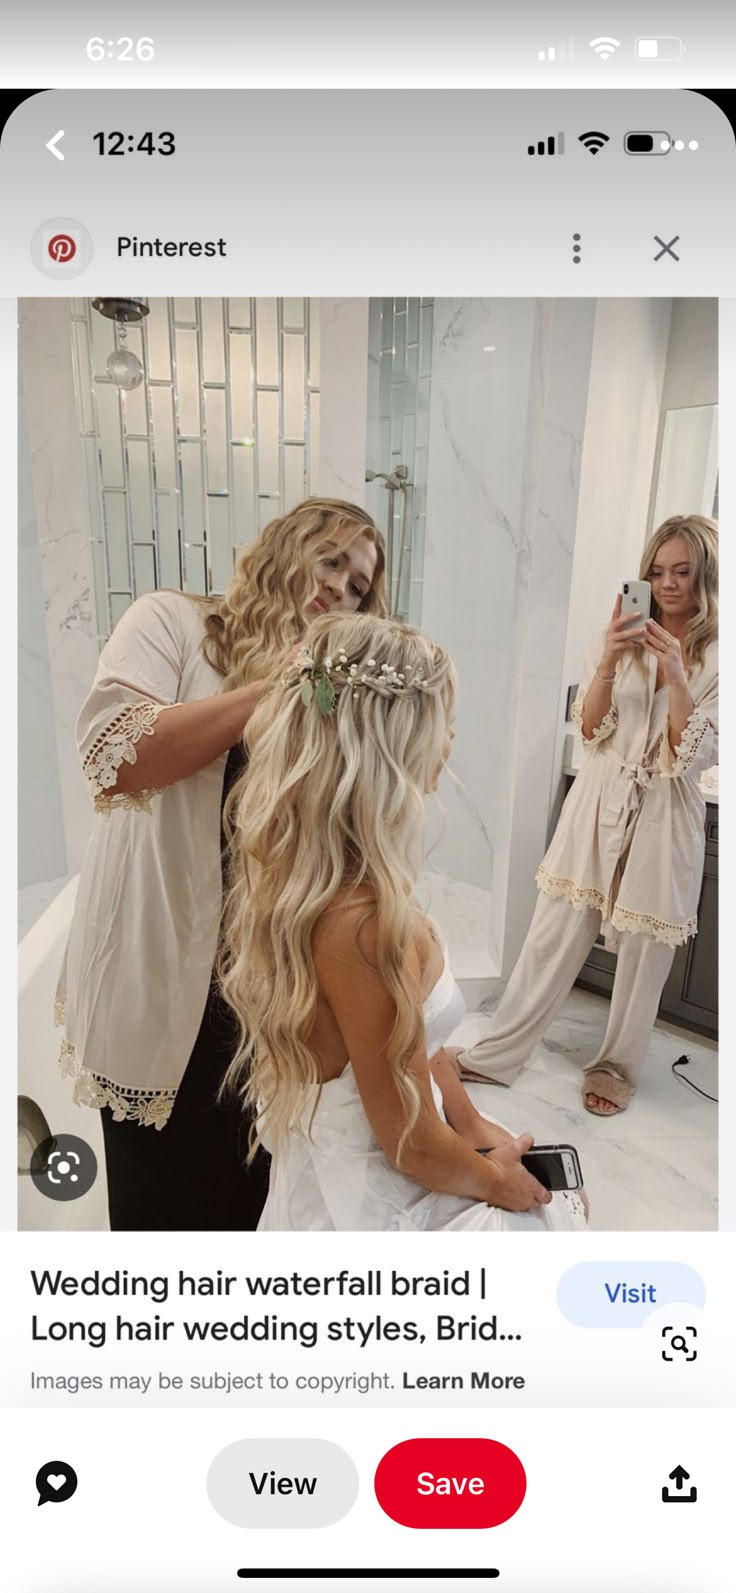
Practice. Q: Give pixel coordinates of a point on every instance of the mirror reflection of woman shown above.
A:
(148, 1039)
(627, 854)
(344, 994)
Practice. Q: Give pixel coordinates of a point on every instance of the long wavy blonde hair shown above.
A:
(249, 630)
(701, 536)
(329, 800)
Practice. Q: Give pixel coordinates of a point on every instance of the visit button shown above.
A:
(450, 1482)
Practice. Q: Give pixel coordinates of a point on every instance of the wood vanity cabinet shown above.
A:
(690, 996)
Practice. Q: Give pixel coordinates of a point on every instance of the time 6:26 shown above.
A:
(131, 143)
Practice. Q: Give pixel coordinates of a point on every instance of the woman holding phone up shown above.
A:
(627, 854)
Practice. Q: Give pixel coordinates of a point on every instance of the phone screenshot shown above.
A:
(366, 446)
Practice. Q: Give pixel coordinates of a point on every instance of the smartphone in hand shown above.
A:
(555, 1166)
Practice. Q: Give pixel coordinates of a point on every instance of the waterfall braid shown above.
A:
(341, 754)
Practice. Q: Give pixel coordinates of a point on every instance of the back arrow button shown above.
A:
(52, 143)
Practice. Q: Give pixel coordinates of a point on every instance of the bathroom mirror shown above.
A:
(688, 463)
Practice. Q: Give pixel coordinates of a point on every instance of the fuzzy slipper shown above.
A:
(610, 1087)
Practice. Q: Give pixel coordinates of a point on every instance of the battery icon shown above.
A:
(665, 49)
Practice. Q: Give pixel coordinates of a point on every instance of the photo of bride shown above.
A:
(368, 739)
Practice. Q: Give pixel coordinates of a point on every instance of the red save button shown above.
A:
(450, 1482)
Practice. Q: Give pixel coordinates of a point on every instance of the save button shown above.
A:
(450, 1482)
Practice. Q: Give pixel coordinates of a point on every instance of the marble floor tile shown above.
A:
(651, 1167)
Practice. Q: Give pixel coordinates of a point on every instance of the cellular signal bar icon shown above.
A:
(550, 146)
(558, 52)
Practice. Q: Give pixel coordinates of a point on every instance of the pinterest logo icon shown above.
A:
(62, 248)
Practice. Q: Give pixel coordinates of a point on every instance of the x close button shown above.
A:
(450, 1482)
(667, 248)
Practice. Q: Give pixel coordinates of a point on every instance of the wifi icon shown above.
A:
(593, 141)
(605, 47)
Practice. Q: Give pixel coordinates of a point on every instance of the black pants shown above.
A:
(191, 1174)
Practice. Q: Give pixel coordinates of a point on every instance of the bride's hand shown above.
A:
(517, 1189)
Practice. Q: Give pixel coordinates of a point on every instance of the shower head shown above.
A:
(396, 480)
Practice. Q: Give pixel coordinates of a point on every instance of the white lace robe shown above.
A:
(141, 948)
(630, 839)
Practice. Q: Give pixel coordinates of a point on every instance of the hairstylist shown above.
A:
(148, 1039)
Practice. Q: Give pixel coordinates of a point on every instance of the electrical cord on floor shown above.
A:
(683, 1061)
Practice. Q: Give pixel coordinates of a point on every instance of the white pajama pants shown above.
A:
(558, 942)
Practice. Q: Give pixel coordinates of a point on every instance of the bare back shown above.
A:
(326, 1036)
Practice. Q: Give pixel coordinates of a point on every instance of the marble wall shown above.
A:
(41, 839)
(56, 500)
(343, 398)
(509, 386)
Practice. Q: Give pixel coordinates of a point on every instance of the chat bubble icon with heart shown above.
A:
(56, 1482)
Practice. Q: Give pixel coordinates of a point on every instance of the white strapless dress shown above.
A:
(332, 1174)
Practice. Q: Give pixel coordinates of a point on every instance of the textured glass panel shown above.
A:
(410, 381)
(169, 553)
(79, 307)
(157, 340)
(213, 341)
(82, 375)
(425, 335)
(103, 341)
(100, 574)
(192, 495)
(108, 421)
(185, 310)
(314, 312)
(119, 601)
(268, 442)
(293, 312)
(412, 321)
(139, 491)
(219, 544)
(244, 496)
(267, 345)
(187, 383)
(314, 400)
(408, 440)
(116, 540)
(295, 488)
(399, 346)
(387, 323)
(415, 604)
(241, 385)
(293, 386)
(164, 450)
(384, 385)
(195, 568)
(239, 312)
(135, 406)
(145, 570)
(423, 398)
(268, 509)
(397, 418)
(216, 452)
(92, 472)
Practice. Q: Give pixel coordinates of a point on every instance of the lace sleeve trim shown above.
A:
(116, 745)
(602, 731)
(677, 763)
(150, 1108)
